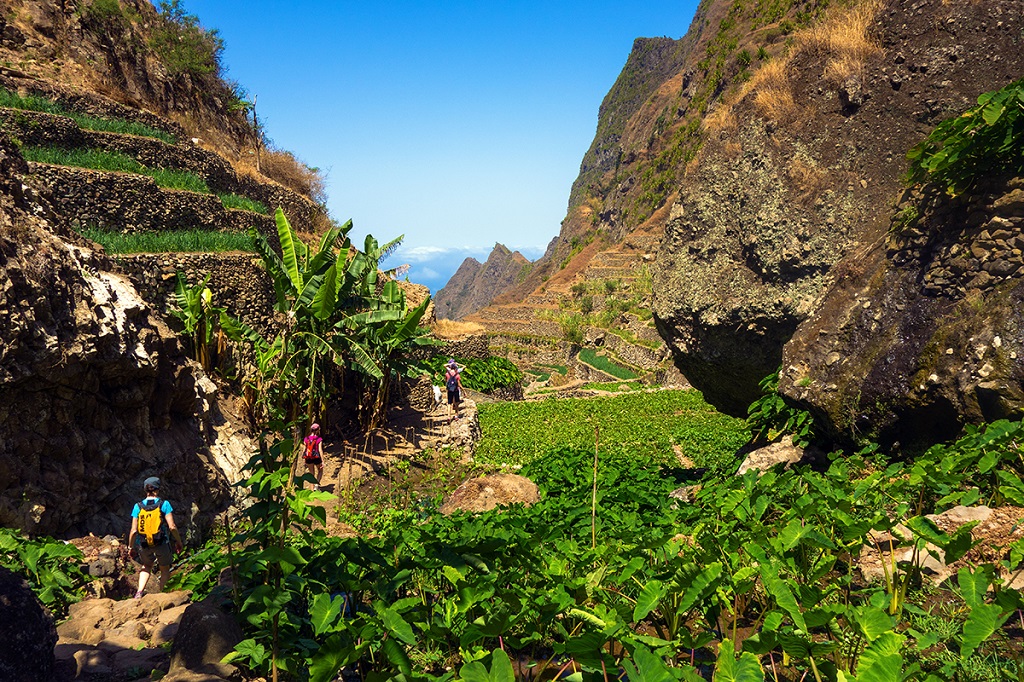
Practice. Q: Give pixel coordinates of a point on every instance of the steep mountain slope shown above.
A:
(474, 285)
(761, 160)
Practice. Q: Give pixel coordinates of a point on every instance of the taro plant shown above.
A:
(52, 568)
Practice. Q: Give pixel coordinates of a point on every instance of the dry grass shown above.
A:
(841, 41)
(451, 329)
(286, 169)
(808, 180)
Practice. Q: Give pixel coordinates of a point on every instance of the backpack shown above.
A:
(151, 522)
(311, 452)
(453, 382)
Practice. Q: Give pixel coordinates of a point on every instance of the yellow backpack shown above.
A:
(151, 522)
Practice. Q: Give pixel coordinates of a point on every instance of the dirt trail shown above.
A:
(406, 437)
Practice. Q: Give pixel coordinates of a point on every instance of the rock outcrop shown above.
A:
(488, 492)
(779, 233)
(474, 285)
(27, 634)
(96, 392)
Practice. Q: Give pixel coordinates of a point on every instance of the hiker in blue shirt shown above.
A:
(152, 528)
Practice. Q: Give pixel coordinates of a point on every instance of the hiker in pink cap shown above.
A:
(313, 454)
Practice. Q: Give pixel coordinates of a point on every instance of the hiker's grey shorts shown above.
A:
(160, 554)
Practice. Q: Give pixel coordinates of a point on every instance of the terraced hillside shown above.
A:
(151, 195)
(588, 324)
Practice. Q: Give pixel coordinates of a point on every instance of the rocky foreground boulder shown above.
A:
(776, 251)
(27, 634)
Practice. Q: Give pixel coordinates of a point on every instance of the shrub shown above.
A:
(283, 167)
(103, 10)
(182, 44)
(985, 140)
(572, 328)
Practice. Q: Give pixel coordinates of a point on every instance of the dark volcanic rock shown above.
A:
(779, 229)
(27, 634)
(895, 355)
(96, 392)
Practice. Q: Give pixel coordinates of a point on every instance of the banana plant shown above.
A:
(202, 320)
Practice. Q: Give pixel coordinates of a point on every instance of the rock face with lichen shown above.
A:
(778, 248)
(931, 334)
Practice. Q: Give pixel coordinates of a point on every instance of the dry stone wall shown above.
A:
(237, 281)
(132, 203)
(49, 130)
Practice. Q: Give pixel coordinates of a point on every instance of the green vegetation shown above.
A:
(171, 241)
(751, 579)
(110, 125)
(986, 140)
(343, 316)
(484, 375)
(771, 417)
(614, 386)
(645, 425)
(601, 362)
(203, 322)
(243, 203)
(182, 44)
(51, 567)
(99, 159)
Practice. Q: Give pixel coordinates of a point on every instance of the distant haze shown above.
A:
(433, 266)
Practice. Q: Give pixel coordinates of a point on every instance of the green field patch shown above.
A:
(243, 203)
(98, 159)
(615, 386)
(107, 125)
(171, 241)
(590, 357)
(644, 424)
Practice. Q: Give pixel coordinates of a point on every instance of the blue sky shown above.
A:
(457, 124)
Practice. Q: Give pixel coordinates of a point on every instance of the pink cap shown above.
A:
(314, 427)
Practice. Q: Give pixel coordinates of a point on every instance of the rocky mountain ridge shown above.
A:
(475, 284)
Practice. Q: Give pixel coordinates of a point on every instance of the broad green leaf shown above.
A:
(984, 620)
(747, 668)
(396, 654)
(501, 667)
(783, 596)
(324, 612)
(649, 599)
(882, 660)
(398, 626)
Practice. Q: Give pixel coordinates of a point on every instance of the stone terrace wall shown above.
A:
(90, 103)
(48, 130)
(477, 346)
(132, 203)
(237, 281)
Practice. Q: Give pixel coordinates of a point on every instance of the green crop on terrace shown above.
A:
(243, 203)
(176, 241)
(99, 159)
(108, 125)
(645, 425)
(590, 356)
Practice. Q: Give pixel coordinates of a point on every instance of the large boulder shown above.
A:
(205, 635)
(487, 492)
(27, 634)
(780, 226)
(930, 334)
